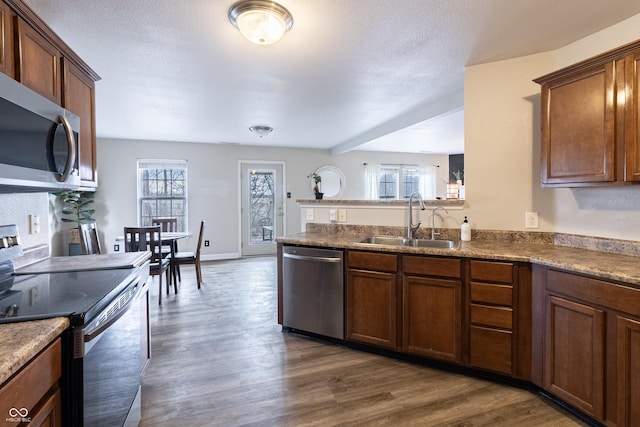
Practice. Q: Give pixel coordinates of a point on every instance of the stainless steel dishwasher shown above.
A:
(313, 290)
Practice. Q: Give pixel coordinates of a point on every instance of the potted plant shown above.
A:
(459, 176)
(317, 179)
(78, 206)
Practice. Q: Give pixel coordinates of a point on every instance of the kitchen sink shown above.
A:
(387, 240)
(428, 243)
(403, 241)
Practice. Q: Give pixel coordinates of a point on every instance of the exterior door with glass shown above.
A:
(262, 207)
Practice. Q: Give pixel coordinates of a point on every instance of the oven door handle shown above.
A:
(114, 312)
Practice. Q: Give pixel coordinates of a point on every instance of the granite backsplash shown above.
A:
(616, 246)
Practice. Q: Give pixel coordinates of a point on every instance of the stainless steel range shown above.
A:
(102, 350)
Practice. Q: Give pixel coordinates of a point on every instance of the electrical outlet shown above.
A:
(309, 214)
(333, 215)
(206, 243)
(531, 219)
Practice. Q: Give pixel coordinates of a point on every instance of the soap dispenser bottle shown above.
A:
(465, 230)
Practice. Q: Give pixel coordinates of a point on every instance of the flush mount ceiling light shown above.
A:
(261, 130)
(261, 22)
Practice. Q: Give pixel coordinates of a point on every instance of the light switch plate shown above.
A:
(34, 225)
(342, 215)
(309, 214)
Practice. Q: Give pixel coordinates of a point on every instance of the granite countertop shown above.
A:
(613, 266)
(86, 262)
(24, 340)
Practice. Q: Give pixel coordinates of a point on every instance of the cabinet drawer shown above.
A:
(492, 294)
(499, 317)
(594, 291)
(32, 382)
(492, 271)
(431, 266)
(490, 349)
(372, 261)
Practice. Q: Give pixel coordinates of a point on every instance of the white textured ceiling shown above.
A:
(351, 74)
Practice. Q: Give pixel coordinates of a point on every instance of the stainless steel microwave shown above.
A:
(38, 141)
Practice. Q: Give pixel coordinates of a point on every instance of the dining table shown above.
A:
(167, 238)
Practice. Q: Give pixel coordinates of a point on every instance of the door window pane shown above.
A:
(261, 207)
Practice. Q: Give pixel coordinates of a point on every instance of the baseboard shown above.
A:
(218, 257)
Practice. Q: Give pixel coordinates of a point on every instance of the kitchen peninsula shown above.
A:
(516, 304)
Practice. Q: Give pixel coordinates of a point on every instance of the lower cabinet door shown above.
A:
(628, 341)
(432, 317)
(372, 308)
(50, 412)
(574, 363)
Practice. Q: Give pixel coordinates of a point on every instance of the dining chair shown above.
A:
(182, 258)
(167, 225)
(139, 239)
(89, 241)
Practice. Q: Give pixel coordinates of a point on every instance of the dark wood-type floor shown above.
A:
(220, 359)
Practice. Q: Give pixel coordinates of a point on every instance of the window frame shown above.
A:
(162, 164)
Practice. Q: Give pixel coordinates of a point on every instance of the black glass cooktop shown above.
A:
(77, 295)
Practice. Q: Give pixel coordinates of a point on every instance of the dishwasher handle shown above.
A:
(312, 258)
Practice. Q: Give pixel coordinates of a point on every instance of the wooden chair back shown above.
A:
(166, 224)
(200, 240)
(89, 241)
(139, 239)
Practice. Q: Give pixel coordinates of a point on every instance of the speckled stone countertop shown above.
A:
(86, 262)
(537, 248)
(22, 341)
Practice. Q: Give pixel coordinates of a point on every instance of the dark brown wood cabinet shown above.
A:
(590, 121)
(632, 118)
(628, 358)
(38, 62)
(79, 98)
(6, 40)
(588, 353)
(574, 365)
(34, 55)
(372, 299)
(36, 388)
(491, 316)
(432, 307)
(451, 309)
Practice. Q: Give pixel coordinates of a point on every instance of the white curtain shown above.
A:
(428, 182)
(371, 181)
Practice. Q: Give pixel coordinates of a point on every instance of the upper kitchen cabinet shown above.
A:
(38, 63)
(6, 40)
(590, 121)
(632, 118)
(36, 57)
(78, 96)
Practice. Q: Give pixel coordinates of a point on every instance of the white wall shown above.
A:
(213, 183)
(16, 208)
(502, 149)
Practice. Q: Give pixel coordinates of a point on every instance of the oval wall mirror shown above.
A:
(332, 184)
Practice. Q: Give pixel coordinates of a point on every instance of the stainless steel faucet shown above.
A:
(411, 227)
(433, 222)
